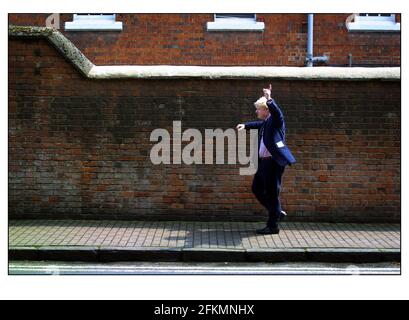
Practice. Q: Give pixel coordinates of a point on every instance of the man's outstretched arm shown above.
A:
(250, 125)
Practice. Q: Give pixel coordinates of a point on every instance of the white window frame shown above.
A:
(227, 23)
(372, 23)
(94, 22)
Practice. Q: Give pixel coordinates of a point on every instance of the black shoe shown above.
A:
(283, 216)
(268, 230)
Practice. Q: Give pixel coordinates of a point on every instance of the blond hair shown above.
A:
(261, 103)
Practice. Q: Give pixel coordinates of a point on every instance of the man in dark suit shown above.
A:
(274, 155)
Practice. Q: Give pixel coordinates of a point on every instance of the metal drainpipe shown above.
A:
(310, 40)
(310, 57)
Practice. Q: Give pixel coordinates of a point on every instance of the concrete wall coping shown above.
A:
(89, 70)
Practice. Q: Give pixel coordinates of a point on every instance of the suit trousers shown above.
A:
(266, 187)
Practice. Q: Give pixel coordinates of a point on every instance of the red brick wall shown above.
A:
(80, 147)
(182, 39)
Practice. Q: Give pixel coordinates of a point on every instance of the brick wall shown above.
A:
(182, 39)
(80, 147)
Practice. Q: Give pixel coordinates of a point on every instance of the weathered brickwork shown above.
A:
(80, 147)
(182, 39)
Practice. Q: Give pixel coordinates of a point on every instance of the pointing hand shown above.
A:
(267, 92)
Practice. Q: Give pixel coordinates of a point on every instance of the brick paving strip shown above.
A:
(200, 241)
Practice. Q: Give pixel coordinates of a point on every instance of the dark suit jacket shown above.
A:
(274, 134)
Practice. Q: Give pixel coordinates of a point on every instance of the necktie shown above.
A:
(260, 137)
(262, 130)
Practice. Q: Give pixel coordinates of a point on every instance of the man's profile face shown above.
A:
(262, 113)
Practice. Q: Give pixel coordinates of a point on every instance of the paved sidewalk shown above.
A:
(199, 241)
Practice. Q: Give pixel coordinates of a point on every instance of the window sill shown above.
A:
(234, 26)
(373, 27)
(92, 26)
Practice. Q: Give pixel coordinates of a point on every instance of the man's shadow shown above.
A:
(224, 235)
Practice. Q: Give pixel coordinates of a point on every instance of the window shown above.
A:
(93, 21)
(372, 22)
(235, 22)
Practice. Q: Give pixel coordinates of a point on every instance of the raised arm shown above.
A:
(275, 110)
